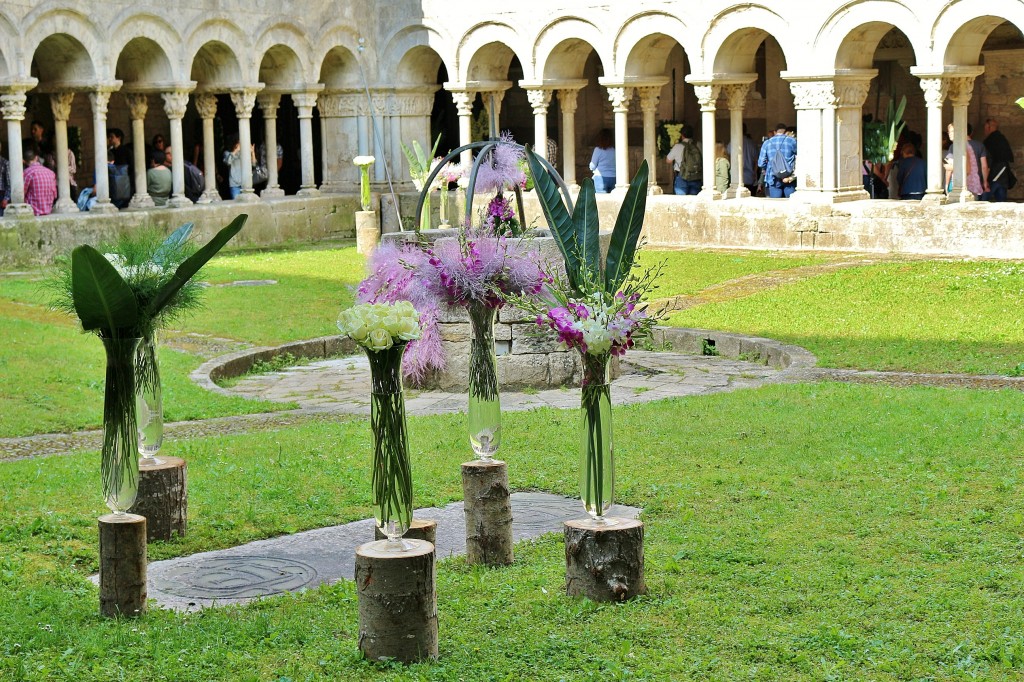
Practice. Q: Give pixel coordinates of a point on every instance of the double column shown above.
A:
(12, 106)
(650, 95)
(206, 105)
(268, 103)
(707, 96)
(736, 92)
(304, 102)
(244, 99)
(60, 104)
(958, 85)
(99, 99)
(175, 103)
(620, 96)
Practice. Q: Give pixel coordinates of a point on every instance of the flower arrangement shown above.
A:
(598, 323)
(364, 163)
(378, 326)
(420, 166)
(482, 269)
(501, 172)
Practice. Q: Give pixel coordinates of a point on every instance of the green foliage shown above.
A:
(880, 137)
(103, 300)
(420, 162)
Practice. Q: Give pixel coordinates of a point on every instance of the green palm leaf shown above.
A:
(557, 215)
(172, 243)
(588, 231)
(103, 300)
(626, 233)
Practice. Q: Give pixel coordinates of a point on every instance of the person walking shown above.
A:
(778, 159)
(602, 162)
(687, 163)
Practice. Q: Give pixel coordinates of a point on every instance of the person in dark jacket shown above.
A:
(1000, 157)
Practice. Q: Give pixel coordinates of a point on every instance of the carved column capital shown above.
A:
(649, 97)
(206, 105)
(268, 103)
(12, 105)
(175, 103)
(620, 99)
(934, 91)
(138, 105)
(244, 100)
(413, 103)
(812, 94)
(567, 100)
(304, 102)
(330, 105)
(99, 99)
(539, 100)
(851, 93)
(959, 89)
(707, 95)
(736, 95)
(464, 102)
(60, 104)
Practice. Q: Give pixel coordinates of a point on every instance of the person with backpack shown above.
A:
(778, 159)
(687, 163)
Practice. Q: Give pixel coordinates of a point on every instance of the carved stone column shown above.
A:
(620, 98)
(567, 103)
(649, 96)
(12, 105)
(464, 106)
(244, 100)
(492, 102)
(206, 105)
(736, 98)
(268, 102)
(60, 104)
(707, 95)
(340, 141)
(304, 102)
(960, 89)
(934, 95)
(539, 100)
(410, 110)
(99, 99)
(175, 103)
(846, 108)
(138, 106)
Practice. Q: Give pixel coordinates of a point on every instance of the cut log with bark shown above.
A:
(163, 498)
(122, 565)
(488, 508)
(419, 529)
(397, 597)
(604, 562)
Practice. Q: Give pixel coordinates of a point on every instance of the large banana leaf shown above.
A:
(173, 241)
(557, 216)
(588, 232)
(626, 232)
(191, 266)
(103, 300)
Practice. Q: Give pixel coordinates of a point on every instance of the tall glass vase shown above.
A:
(597, 471)
(443, 205)
(149, 403)
(119, 463)
(392, 470)
(425, 215)
(484, 400)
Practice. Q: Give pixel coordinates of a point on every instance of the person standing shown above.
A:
(721, 169)
(40, 183)
(911, 174)
(158, 178)
(1000, 155)
(976, 172)
(687, 163)
(749, 161)
(778, 159)
(602, 162)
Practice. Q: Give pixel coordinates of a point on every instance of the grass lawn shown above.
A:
(793, 533)
(926, 316)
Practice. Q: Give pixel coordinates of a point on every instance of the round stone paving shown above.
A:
(235, 577)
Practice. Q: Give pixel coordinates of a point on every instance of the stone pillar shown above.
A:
(244, 100)
(99, 99)
(539, 100)
(707, 94)
(934, 95)
(138, 106)
(567, 103)
(206, 105)
(269, 102)
(175, 103)
(464, 105)
(492, 102)
(410, 110)
(304, 103)
(960, 89)
(649, 96)
(60, 104)
(336, 151)
(810, 98)
(736, 98)
(846, 107)
(620, 98)
(12, 105)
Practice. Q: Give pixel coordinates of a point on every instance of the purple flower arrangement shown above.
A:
(598, 324)
(503, 170)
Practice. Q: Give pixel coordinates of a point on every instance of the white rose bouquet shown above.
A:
(377, 326)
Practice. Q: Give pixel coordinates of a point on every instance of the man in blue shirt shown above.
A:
(779, 185)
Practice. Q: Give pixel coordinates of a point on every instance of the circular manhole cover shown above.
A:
(235, 577)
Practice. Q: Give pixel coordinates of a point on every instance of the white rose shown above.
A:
(407, 329)
(379, 339)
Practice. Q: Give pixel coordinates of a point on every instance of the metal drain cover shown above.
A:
(235, 577)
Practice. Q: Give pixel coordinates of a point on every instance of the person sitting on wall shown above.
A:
(40, 183)
(158, 178)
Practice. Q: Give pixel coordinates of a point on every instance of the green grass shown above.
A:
(883, 547)
(928, 316)
(689, 272)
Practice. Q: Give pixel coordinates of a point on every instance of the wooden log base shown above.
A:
(122, 565)
(419, 529)
(604, 562)
(488, 507)
(163, 498)
(397, 597)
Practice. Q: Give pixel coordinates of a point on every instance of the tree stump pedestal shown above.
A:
(122, 565)
(397, 597)
(419, 529)
(604, 562)
(367, 232)
(163, 498)
(488, 508)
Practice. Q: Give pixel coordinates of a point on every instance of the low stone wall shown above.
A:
(37, 240)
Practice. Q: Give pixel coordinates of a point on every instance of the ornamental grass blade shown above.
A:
(101, 296)
(626, 233)
(557, 216)
(191, 266)
(172, 243)
(588, 231)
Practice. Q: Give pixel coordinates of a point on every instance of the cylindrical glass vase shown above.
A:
(597, 473)
(119, 463)
(392, 470)
(149, 403)
(425, 223)
(443, 204)
(484, 400)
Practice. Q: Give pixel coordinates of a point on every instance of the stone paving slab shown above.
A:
(325, 555)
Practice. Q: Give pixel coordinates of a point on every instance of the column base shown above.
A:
(740, 192)
(104, 208)
(936, 198)
(18, 211)
(272, 193)
(179, 202)
(307, 192)
(65, 206)
(210, 196)
(655, 190)
(141, 201)
(709, 195)
(247, 197)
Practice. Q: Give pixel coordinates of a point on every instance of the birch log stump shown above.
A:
(122, 565)
(604, 562)
(163, 498)
(488, 507)
(419, 529)
(397, 597)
